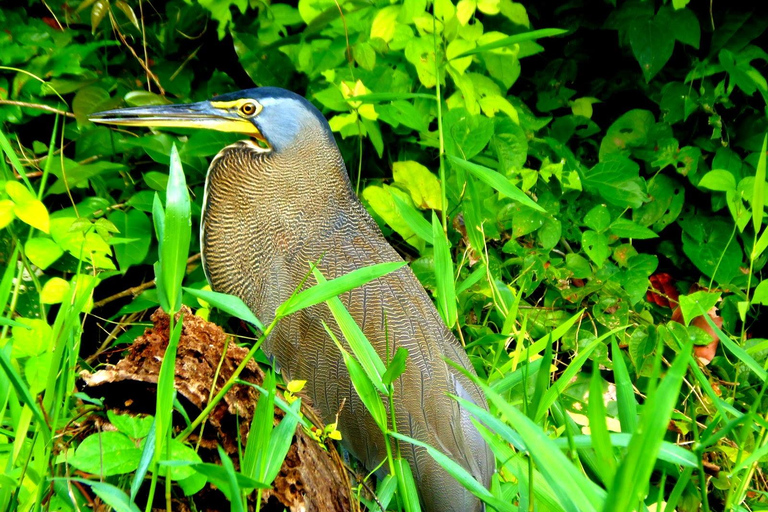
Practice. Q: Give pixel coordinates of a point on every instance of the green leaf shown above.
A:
(652, 44)
(760, 295)
(42, 252)
(414, 218)
(335, 287)
(420, 51)
(384, 23)
(174, 248)
(598, 218)
(719, 180)
(54, 291)
(446, 287)
(27, 207)
(381, 200)
(596, 246)
(496, 181)
(136, 227)
(629, 131)
(617, 181)
(228, 303)
(709, 245)
(697, 303)
(422, 185)
(624, 228)
(135, 427)
(6, 212)
(106, 454)
(396, 366)
(112, 496)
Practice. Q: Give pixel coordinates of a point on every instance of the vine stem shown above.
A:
(441, 155)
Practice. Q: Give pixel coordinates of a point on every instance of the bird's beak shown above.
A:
(192, 115)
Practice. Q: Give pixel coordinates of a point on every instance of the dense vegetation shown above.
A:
(595, 171)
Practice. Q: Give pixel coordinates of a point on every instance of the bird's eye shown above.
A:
(248, 109)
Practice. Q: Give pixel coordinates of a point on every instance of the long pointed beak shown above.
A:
(191, 115)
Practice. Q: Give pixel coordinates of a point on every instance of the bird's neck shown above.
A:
(265, 209)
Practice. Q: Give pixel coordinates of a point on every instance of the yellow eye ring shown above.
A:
(248, 109)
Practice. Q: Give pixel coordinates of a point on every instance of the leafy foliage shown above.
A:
(570, 182)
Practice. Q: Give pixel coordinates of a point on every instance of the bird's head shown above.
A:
(277, 118)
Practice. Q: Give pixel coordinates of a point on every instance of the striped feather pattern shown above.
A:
(268, 215)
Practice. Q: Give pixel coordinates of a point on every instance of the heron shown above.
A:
(281, 199)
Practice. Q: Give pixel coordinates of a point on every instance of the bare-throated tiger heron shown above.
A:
(275, 204)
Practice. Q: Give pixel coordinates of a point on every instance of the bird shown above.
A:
(281, 199)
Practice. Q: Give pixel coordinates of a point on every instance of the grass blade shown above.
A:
(407, 486)
(495, 180)
(414, 219)
(758, 194)
(601, 442)
(625, 393)
(362, 384)
(446, 288)
(176, 236)
(515, 39)
(361, 347)
(460, 474)
(329, 289)
(227, 303)
(635, 469)
(576, 491)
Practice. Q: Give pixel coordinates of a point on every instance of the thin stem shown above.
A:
(441, 155)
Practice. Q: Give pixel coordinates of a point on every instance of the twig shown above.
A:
(136, 55)
(136, 289)
(129, 319)
(47, 108)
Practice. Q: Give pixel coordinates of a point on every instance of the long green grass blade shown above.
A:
(5, 145)
(280, 443)
(625, 393)
(669, 452)
(414, 219)
(259, 434)
(407, 486)
(166, 390)
(601, 441)
(112, 496)
(361, 347)
(326, 290)
(570, 372)
(515, 39)
(577, 492)
(227, 303)
(635, 469)
(362, 384)
(496, 181)
(758, 194)
(446, 287)
(460, 474)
